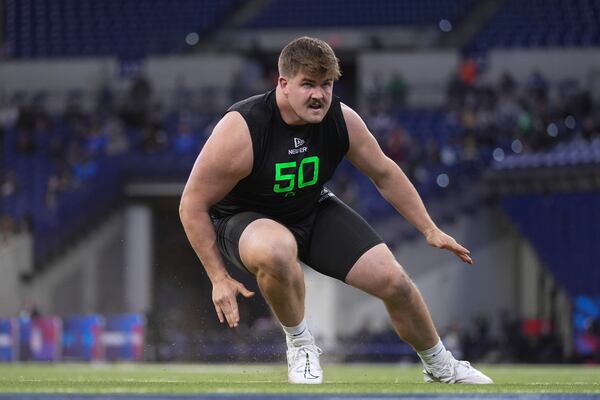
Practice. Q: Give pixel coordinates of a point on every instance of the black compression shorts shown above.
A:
(330, 240)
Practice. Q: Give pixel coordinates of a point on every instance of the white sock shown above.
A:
(434, 355)
(298, 335)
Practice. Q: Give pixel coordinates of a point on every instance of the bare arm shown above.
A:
(392, 183)
(225, 159)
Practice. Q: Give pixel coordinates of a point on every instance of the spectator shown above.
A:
(95, 140)
(468, 71)
(432, 152)
(376, 99)
(182, 95)
(398, 90)
(9, 184)
(85, 168)
(186, 141)
(397, 145)
(381, 123)
(74, 116)
(7, 227)
(137, 105)
(9, 114)
(507, 84)
(105, 101)
(116, 141)
(52, 192)
(537, 85)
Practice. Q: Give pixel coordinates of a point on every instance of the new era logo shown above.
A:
(298, 147)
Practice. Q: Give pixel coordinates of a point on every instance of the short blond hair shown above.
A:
(308, 54)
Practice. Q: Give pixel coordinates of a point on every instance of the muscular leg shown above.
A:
(378, 273)
(269, 251)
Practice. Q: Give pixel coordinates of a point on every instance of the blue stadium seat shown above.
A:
(563, 228)
(573, 152)
(541, 23)
(311, 13)
(59, 28)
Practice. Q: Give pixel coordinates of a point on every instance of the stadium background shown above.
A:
(491, 107)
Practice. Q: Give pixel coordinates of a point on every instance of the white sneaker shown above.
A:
(455, 371)
(303, 364)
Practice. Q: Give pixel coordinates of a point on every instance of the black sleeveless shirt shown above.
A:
(291, 163)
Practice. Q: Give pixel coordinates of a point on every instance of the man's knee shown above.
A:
(378, 273)
(273, 253)
(397, 286)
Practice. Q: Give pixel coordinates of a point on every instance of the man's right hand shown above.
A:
(224, 294)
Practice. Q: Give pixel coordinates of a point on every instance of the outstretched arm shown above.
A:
(225, 159)
(393, 184)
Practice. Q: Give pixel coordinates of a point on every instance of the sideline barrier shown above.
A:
(123, 338)
(81, 338)
(88, 338)
(8, 338)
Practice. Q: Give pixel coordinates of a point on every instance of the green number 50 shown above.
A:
(286, 172)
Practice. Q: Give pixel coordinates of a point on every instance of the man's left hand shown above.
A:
(437, 238)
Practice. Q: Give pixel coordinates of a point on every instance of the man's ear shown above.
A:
(283, 84)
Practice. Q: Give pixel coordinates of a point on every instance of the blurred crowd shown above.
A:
(51, 154)
(480, 122)
(485, 120)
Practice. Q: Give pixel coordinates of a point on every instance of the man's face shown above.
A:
(309, 95)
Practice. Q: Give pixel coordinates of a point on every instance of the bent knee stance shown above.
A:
(273, 253)
(277, 261)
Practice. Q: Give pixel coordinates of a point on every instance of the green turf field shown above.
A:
(253, 378)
